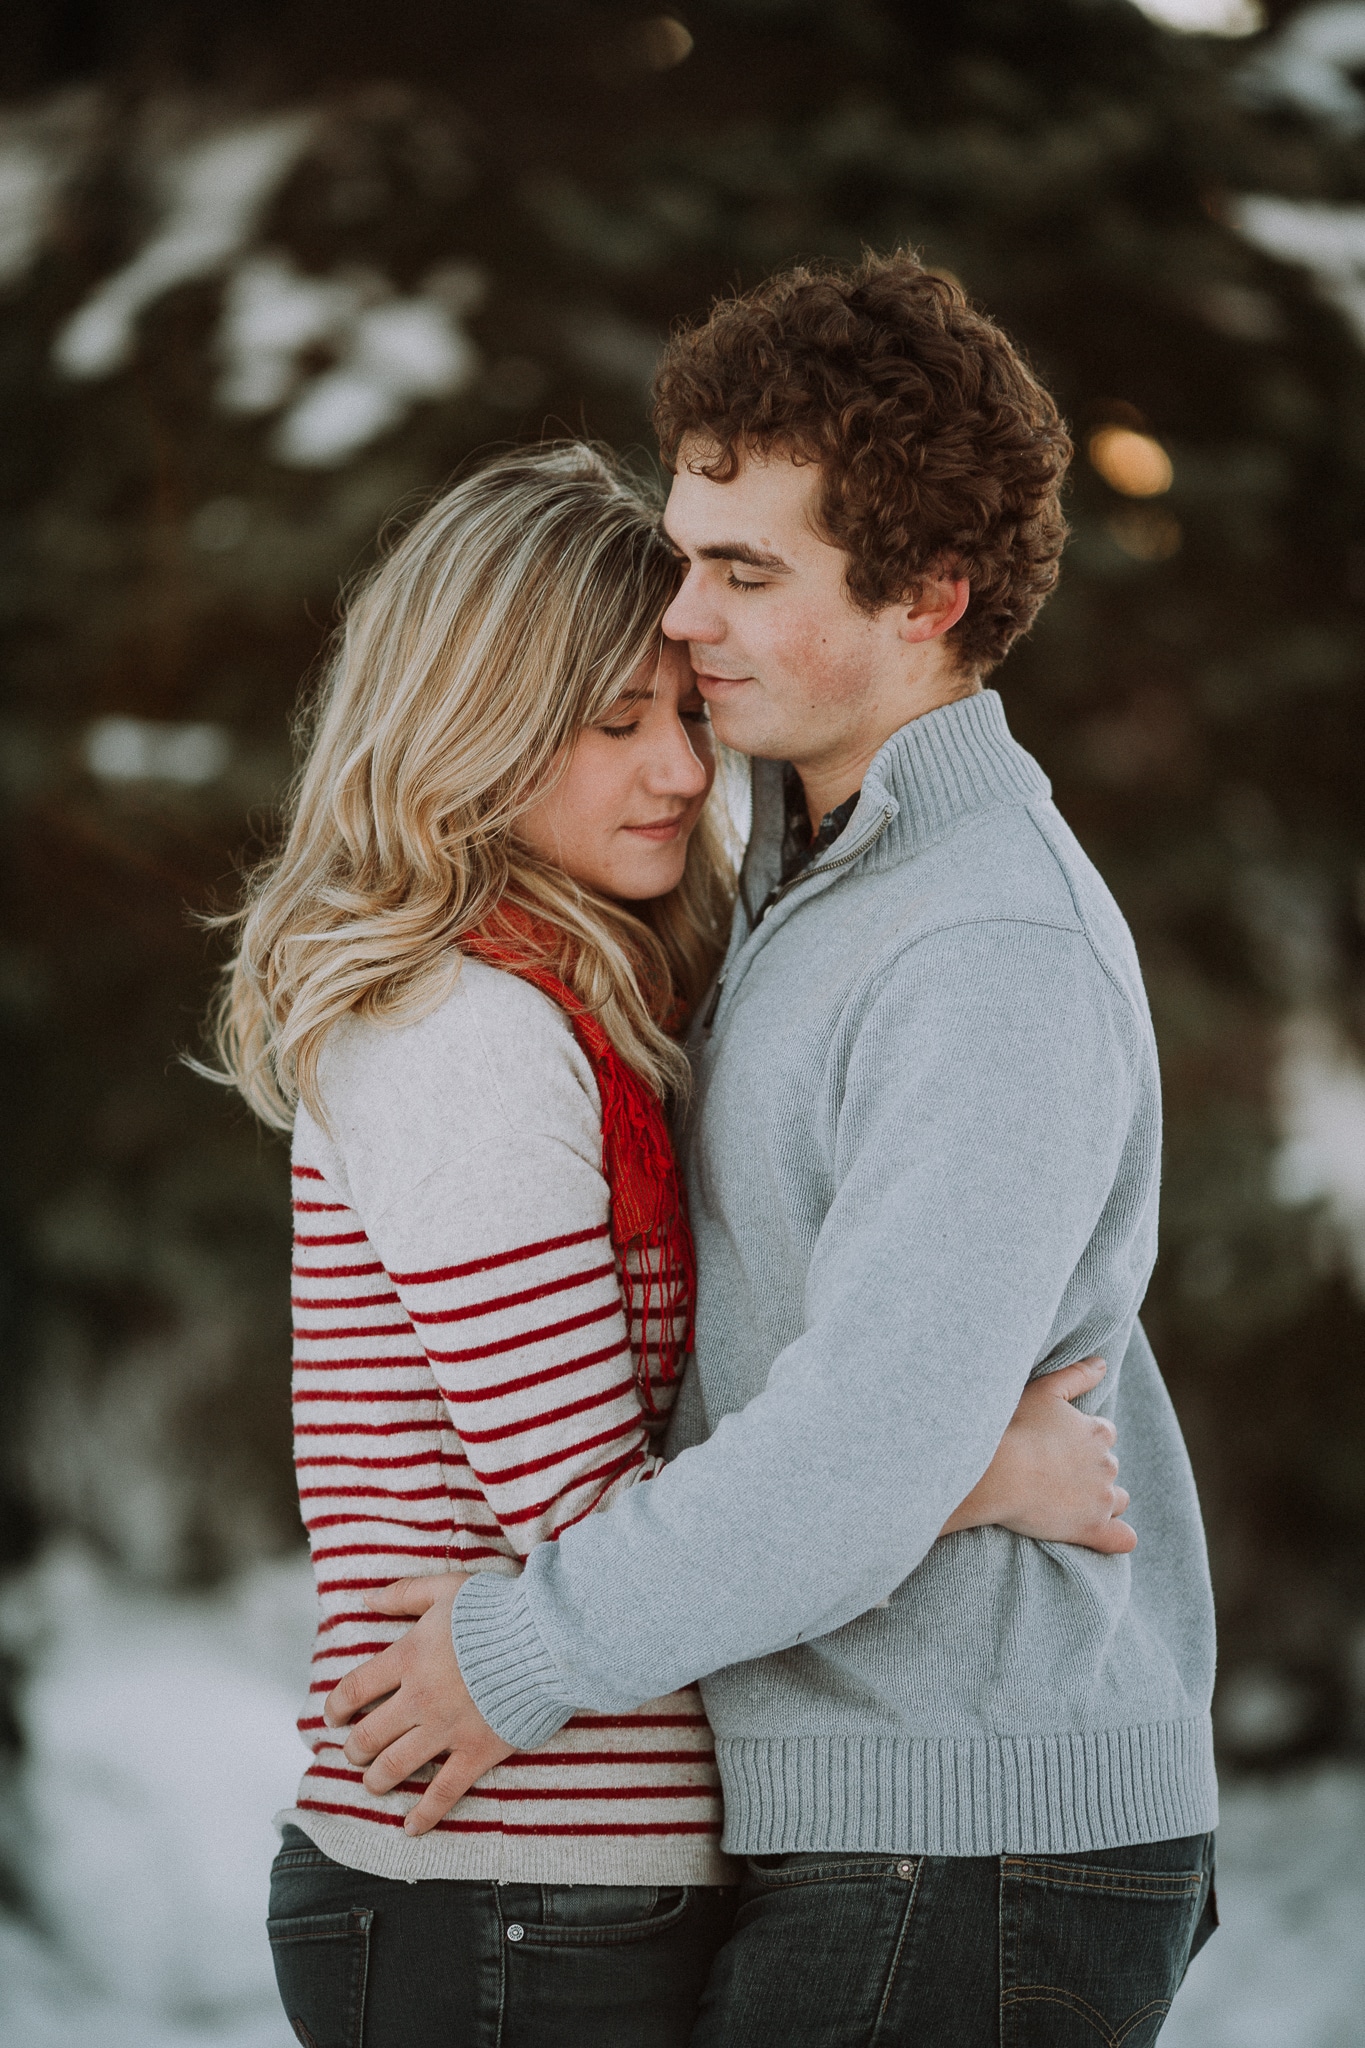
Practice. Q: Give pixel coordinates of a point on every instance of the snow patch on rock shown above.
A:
(212, 199)
(1322, 1159)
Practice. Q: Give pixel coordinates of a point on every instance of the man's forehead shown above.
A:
(764, 507)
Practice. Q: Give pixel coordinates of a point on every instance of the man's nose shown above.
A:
(690, 618)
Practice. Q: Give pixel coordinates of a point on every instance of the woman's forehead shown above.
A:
(670, 656)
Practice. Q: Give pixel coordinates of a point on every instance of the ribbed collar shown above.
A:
(933, 772)
(952, 761)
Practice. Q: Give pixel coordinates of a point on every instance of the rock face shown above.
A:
(270, 276)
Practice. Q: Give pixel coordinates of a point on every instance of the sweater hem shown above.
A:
(383, 1851)
(974, 1796)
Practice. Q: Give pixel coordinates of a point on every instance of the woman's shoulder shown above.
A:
(492, 1057)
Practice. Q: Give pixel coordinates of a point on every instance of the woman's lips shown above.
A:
(661, 832)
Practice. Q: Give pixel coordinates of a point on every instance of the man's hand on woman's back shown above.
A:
(415, 1704)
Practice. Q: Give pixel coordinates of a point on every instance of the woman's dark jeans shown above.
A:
(369, 1962)
(1065, 1951)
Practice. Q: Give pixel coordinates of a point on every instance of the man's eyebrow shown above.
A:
(740, 551)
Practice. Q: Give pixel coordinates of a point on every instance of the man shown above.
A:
(972, 1778)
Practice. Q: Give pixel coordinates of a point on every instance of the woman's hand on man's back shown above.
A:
(1054, 1477)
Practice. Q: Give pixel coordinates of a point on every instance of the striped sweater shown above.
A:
(464, 1389)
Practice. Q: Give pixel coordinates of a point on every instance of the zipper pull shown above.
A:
(709, 1019)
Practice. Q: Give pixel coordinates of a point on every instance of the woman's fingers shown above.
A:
(1113, 1538)
(1074, 1380)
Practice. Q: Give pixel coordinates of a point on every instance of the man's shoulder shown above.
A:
(998, 862)
(1018, 864)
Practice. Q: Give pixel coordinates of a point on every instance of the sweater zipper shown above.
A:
(829, 867)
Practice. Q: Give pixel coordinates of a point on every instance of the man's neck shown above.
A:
(831, 779)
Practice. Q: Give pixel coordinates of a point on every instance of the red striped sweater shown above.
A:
(464, 1387)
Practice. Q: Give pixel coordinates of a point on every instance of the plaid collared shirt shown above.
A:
(798, 847)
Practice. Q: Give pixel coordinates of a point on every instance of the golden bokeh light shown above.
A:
(663, 42)
(1133, 463)
(1146, 532)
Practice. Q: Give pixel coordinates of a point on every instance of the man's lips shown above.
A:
(711, 684)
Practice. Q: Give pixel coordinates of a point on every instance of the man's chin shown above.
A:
(747, 735)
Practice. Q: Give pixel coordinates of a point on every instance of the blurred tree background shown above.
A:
(271, 272)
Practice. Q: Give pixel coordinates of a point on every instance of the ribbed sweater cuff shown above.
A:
(511, 1676)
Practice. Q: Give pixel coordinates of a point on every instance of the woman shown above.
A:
(460, 983)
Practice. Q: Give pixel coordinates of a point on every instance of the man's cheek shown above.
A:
(818, 668)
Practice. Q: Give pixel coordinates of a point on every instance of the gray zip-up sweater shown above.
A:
(923, 1157)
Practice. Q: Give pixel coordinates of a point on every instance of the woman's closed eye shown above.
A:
(690, 714)
(624, 716)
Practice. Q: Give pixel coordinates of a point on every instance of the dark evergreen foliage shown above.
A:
(1194, 688)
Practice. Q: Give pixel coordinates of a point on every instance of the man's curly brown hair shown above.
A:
(939, 449)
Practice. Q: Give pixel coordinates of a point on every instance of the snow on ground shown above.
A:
(148, 1874)
(161, 1740)
(1287, 1967)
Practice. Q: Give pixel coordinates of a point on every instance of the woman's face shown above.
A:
(619, 818)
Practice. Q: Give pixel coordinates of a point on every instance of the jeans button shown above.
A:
(516, 1931)
(905, 1868)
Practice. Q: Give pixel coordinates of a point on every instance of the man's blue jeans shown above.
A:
(1065, 1951)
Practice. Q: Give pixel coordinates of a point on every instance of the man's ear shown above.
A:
(940, 604)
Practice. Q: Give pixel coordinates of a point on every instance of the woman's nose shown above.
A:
(674, 767)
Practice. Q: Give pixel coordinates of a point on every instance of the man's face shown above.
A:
(791, 669)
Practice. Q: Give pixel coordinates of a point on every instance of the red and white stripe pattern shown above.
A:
(449, 1418)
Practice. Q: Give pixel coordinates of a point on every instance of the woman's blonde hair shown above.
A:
(507, 619)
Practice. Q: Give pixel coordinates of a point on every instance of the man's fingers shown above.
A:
(361, 1688)
(385, 1725)
(446, 1789)
(404, 1596)
(401, 1759)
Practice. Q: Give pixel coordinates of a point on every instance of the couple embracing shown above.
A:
(727, 1634)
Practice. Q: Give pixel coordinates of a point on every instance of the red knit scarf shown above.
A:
(650, 1234)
